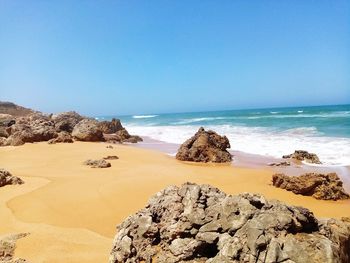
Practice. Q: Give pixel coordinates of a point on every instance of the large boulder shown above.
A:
(199, 223)
(205, 146)
(88, 130)
(319, 186)
(6, 178)
(62, 137)
(112, 126)
(66, 121)
(301, 155)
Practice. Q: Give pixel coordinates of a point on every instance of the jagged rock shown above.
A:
(32, 128)
(8, 246)
(112, 126)
(7, 178)
(6, 121)
(199, 223)
(66, 121)
(301, 155)
(279, 164)
(205, 146)
(63, 137)
(98, 163)
(319, 186)
(122, 136)
(111, 157)
(88, 130)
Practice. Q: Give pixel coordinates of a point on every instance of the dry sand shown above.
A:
(71, 210)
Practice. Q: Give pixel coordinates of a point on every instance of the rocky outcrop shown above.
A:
(300, 155)
(88, 130)
(199, 223)
(111, 157)
(13, 109)
(6, 178)
(122, 136)
(66, 121)
(62, 137)
(8, 246)
(205, 146)
(283, 164)
(319, 186)
(112, 126)
(98, 163)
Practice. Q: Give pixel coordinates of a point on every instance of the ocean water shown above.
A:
(324, 130)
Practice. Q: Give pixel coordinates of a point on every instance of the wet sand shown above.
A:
(71, 210)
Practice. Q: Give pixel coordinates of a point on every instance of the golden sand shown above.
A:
(71, 210)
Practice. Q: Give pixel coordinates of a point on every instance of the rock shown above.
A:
(319, 186)
(205, 146)
(122, 136)
(300, 155)
(109, 147)
(199, 223)
(111, 157)
(88, 130)
(66, 121)
(98, 163)
(8, 246)
(279, 164)
(112, 126)
(63, 137)
(32, 128)
(13, 109)
(6, 178)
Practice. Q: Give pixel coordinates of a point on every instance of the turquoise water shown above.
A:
(324, 130)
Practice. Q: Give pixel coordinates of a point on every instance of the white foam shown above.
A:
(144, 116)
(259, 140)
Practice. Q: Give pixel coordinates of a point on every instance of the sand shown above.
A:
(71, 210)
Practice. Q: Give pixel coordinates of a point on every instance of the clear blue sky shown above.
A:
(128, 57)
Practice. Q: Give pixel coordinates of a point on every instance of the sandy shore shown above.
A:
(71, 210)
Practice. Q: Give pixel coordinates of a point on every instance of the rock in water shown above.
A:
(205, 146)
(303, 156)
(7, 178)
(199, 223)
(98, 163)
(88, 130)
(66, 121)
(112, 126)
(319, 186)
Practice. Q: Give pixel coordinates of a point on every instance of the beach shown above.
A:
(71, 210)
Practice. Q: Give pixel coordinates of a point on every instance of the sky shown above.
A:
(139, 57)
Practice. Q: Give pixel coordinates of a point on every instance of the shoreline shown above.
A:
(68, 207)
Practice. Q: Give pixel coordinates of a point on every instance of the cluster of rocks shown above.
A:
(199, 223)
(320, 186)
(102, 163)
(300, 155)
(61, 128)
(8, 246)
(205, 146)
(6, 178)
(283, 164)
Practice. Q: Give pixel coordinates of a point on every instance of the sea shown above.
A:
(272, 132)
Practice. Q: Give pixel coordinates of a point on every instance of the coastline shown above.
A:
(68, 207)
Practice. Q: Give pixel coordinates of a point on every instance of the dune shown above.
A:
(71, 210)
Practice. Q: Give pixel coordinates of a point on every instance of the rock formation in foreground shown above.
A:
(205, 146)
(6, 178)
(199, 223)
(98, 163)
(300, 155)
(8, 246)
(319, 186)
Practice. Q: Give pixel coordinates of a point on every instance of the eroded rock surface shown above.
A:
(122, 136)
(66, 121)
(88, 130)
(98, 163)
(301, 155)
(112, 126)
(205, 146)
(199, 223)
(319, 186)
(8, 246)
(62, 137)
(6, 178)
